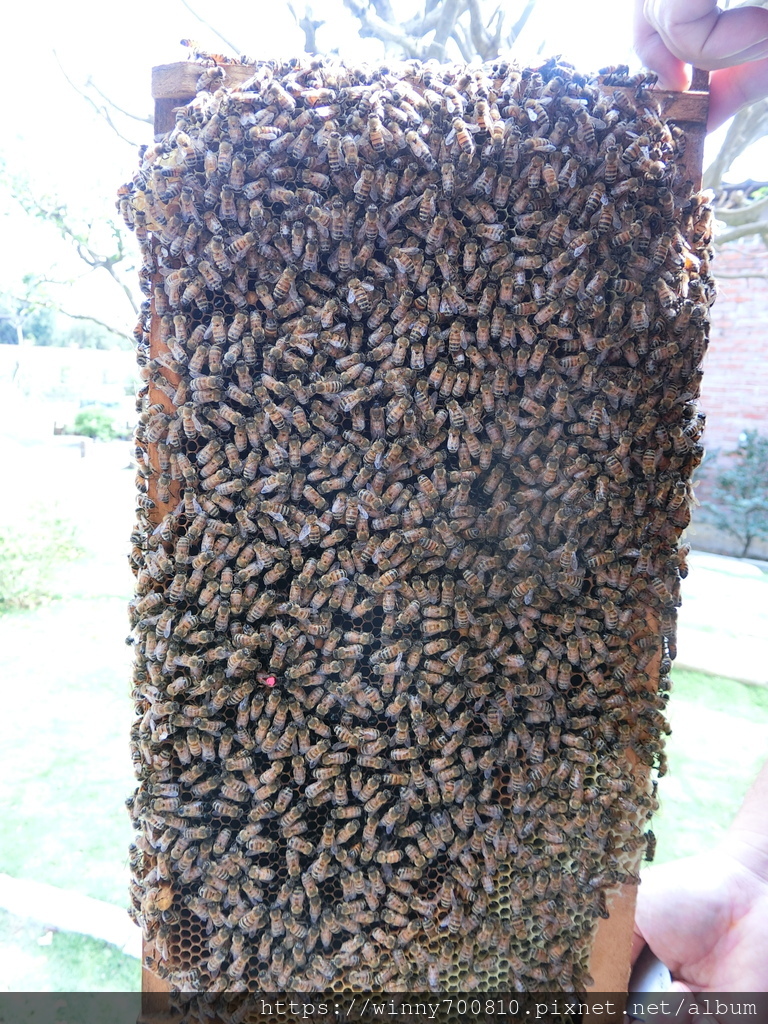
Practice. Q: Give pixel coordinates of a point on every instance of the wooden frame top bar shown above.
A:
(171, 81)
(173, 85)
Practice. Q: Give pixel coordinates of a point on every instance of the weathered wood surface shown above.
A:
(154, 999)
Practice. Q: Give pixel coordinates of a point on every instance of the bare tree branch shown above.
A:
(210, 27)
(485, 43)
(721, 274)
(309, 26)
(760, 228)
(748, 125)
(496, 38)
(28, 306)
(459, 36)
(478, 34)
(448, 15)
(136, 117)
(373, 25)
(520, 24)
(16, 310)
(384, 10)
(58, 215)
(420, 25)
(742, 191)
(98, 108)
(126, 290)
(99, 323)
(745, 214)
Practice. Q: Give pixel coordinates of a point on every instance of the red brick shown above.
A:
(735, 385)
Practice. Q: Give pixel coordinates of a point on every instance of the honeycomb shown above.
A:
(421, 349)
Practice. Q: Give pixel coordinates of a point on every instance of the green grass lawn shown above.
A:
(64, 764)
(62, 963)
(68, 1008)
(719, 741)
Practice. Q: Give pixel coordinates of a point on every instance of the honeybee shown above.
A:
(395, 324)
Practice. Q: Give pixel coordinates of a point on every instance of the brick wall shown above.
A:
(734, 393)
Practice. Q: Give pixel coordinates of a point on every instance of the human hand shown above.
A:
(706, 918)
(732, 44)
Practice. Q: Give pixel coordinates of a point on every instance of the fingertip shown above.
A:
(676, 77)
(730, 89)
(679, 986)
(673, 73)
(723, 98)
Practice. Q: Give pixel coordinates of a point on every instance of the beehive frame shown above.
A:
(173, 86)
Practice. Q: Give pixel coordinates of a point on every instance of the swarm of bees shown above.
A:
(421, 347)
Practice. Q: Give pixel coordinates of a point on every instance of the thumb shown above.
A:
(679, 986)
(733, 88)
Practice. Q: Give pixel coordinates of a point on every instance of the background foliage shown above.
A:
(739, 497)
